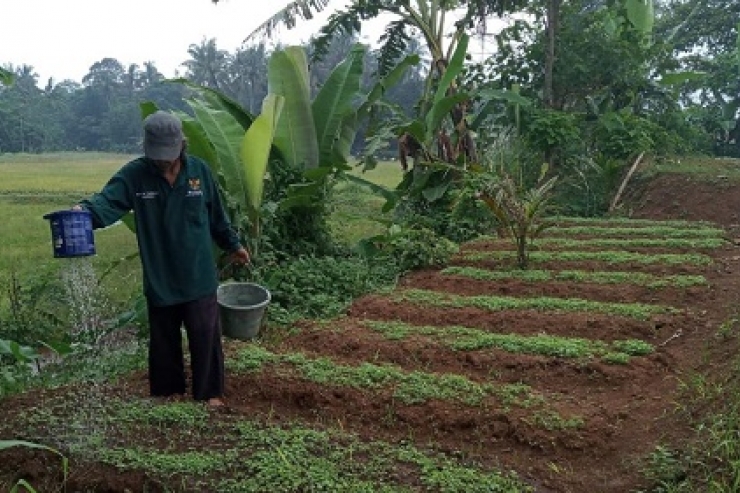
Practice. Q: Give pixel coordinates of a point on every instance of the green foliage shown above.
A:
(409, 387)
(621, 135)
(321, 287)
(36, 309)
(409, 248)
(546, 129)
(463, 338)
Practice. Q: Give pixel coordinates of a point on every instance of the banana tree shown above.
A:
(317, 135)
(292, 132)
(441, 23)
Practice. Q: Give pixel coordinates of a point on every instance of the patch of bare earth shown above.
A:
(626, 410)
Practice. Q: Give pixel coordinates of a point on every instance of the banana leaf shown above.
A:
(295, 136)
(453, 69)
(641, 15)
(333, 103)
(219, 101)
(255, 151)
(225, 134)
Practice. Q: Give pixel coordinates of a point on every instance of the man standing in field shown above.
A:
(178, 215)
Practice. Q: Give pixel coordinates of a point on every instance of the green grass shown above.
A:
(357, 211)
(581, 276)
(709, 167)
(640, 311)
(58, 172)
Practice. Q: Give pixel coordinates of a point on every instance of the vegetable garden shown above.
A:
(583, 373)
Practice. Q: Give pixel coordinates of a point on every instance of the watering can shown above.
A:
(71, 233)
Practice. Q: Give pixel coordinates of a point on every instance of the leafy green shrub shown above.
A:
(320, 287)
(410, 248)
(621, 135)
(548, 129)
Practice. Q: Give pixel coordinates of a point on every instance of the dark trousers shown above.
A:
(166, 361)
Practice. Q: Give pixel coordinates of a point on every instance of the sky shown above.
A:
(63, 38)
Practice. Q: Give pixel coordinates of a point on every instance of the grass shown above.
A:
(623, 243)
(357, 212)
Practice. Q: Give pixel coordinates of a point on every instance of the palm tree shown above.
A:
(206, 64)
(247, 72)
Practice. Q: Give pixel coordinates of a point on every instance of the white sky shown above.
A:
(63, 38)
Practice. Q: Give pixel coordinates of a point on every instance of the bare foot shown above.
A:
(216, 402)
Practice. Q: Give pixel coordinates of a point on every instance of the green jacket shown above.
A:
(175, 226)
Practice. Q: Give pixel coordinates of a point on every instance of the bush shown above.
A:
(321, 287)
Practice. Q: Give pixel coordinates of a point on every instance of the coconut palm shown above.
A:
(206, 64)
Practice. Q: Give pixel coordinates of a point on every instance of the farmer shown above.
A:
(178, 215)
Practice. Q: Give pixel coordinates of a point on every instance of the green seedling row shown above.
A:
(659, 231)
(626, 221)
(409, 387)
(294, 458)
(259, 456)
(614, 242)
(599, 277)
(632, 242)
(469, 339)
(609, 257)
(640, 311)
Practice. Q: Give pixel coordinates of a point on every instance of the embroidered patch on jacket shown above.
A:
(194, 187)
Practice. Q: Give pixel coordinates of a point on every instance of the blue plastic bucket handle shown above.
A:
(71, 233)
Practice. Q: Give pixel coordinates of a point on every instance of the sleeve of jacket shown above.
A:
(111, 203)
(222, 232)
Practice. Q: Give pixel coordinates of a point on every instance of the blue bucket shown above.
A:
(71, 233)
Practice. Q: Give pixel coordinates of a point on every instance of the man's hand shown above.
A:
(240, 257)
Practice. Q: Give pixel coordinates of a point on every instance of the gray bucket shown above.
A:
(242, 308)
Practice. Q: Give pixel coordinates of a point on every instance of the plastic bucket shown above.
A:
(71, 233)
(242, 308)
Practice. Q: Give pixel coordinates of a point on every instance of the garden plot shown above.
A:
(476, 377)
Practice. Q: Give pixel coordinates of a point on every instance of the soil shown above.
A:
(627, 409)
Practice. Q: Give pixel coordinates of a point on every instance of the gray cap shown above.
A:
(163, 136)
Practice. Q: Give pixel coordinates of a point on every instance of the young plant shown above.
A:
(519, 211)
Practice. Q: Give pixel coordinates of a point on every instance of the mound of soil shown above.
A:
(623, 411)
